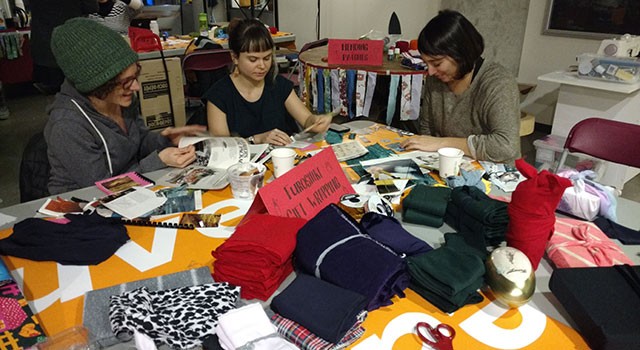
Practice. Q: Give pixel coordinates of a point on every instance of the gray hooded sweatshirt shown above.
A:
(77, 153)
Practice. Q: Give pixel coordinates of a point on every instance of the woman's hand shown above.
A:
(422, 143)
(320, 123)
(175, 134)
(178, 157)
(275, 137)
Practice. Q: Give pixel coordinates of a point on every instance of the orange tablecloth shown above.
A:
(56, 291)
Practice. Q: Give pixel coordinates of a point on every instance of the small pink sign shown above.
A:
(356, 52)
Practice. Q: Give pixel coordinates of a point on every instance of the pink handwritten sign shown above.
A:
(304, 190)
(355, 52)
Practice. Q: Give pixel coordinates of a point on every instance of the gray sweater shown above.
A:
(76, 152)
(487, 114)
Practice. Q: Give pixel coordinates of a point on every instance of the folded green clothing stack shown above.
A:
(448, 277)
(426, 205)
(471, 210)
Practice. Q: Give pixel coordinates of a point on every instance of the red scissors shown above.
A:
(441, 334)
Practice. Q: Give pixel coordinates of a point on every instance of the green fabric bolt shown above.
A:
(470, 210)
(417, 217)
(449, 276)
(480, 206)
(89, 53)
(426, 205)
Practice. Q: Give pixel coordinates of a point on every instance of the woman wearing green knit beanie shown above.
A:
(94, 129)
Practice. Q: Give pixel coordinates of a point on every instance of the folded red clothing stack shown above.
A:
(257, 257)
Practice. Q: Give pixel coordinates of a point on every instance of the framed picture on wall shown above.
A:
(592, 19)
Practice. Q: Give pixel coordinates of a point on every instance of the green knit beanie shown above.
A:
(89, 53)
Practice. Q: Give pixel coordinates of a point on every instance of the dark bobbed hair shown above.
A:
(451, 34)
(250, 35)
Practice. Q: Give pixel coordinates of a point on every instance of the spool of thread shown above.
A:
(413, 44)
(403, 45)
(390, 54)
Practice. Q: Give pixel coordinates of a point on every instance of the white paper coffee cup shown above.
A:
(283, 160)
(450, 159)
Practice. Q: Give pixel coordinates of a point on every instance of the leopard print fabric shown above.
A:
(179, 317)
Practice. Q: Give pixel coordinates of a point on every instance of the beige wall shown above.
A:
(543, 54)
(349, 19)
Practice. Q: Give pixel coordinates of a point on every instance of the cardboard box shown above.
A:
(154, 93)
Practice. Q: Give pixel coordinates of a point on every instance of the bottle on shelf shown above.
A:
(203, 24)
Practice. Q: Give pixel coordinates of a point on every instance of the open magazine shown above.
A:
(213, 156)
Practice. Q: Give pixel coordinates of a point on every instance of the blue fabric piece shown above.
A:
(388, 231)
(351, 91)
(4, 272)
(391, 102)
(326, 310)
(467, 178)
(320, 83)
(333, 137)
(358, 262)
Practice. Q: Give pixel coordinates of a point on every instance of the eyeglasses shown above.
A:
(126, 83)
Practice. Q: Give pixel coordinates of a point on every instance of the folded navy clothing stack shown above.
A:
(471, 210)
(448, 277)
(426, 205)
(388, 231)
(343, 254)
(83, 240)
(325, 309)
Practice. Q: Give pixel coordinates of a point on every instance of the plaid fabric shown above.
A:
(304, 339)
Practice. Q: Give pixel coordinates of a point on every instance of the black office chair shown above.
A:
(34, 169)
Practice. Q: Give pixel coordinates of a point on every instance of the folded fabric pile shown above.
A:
(426, 205)
(471, 210)
(180, 317)
(81, 240)
(257, 257)
(248, 327)
(388, 231)
(576, 243)
(334, 247)
(532, 211)
(449, 276)
(314, 314)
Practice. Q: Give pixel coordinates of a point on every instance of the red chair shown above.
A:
(291, 75)
(609, 140)
(202, 68)
(144, 40)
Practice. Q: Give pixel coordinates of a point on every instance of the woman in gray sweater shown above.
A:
(467, 103)
(94, 129)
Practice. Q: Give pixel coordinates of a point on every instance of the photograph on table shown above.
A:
(200, 220)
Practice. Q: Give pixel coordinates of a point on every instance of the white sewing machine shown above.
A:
(626, 46)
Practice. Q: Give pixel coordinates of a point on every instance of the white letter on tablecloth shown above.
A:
(481, 327)
(396, 328)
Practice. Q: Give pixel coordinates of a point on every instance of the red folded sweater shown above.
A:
(532, 210)
(257, 257)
